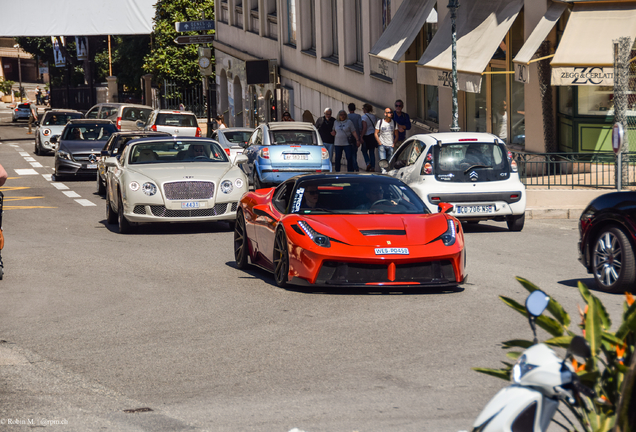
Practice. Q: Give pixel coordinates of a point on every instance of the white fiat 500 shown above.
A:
(472, 171)
(175, 179)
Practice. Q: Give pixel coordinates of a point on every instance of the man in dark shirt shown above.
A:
(404, 122)
(325, 125)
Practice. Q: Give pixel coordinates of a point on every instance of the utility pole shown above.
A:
(453, 5)
(16, 46)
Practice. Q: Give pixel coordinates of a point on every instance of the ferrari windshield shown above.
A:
(355, 195)
(176, 151)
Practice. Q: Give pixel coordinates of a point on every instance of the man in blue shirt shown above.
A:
(356, 119)
(404, 122)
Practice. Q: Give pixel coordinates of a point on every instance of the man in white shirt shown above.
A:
(386, 134)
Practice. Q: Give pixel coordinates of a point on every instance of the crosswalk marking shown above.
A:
(29, 158)
(36, 164)
(25, 154)
(59, 186)
(85, 202)
(48, 177)
(71, 194)
(26, 172)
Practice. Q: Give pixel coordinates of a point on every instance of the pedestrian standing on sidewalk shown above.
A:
(343, 128)
(221, 121)
(356, 119)
(38, 95)
(369, 144)
(403, 120)
(325, 125)
(386, 134)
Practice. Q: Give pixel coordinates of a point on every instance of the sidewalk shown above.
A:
(559, 203)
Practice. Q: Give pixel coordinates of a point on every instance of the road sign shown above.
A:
(617, 137)
(185, 40)
(185, 26)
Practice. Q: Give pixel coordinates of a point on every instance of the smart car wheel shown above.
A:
(111, 216)
(240, 241)
(125, 227)
(613, 262)
(281, 259)
(515, 223)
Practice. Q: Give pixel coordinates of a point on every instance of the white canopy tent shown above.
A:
(76, 17)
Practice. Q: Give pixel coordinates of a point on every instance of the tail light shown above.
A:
(119, 123)
(227, 151)
(513, 166)
(325, 154)
(154, 128)
(198, 134)
(16, 110)
(428, 168)
(265, 152)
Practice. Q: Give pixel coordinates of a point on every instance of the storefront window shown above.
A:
(593, 100)
(565, 100)
(499, 116)
(427, 95)
(476, 120)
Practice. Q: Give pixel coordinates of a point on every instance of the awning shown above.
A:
(398, 36)
(76, 17)
(481, 26)
(585, 55)
(536, 38)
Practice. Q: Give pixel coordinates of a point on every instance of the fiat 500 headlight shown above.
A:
(238, 183)
(226, 186)
(46, 132)
(149, 189)
(134, 186)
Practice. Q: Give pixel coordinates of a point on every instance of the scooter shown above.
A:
(541, 380)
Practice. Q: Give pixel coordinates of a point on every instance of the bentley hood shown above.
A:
(162, 173)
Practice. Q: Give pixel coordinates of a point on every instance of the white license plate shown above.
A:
(490, 208)
(91, 166)
(391, 251)
(189, 205)
(296, 157)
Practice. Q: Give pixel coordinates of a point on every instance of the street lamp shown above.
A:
(17, 47)
(453, 5)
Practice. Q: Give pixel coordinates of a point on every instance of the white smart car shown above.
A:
(473, 171)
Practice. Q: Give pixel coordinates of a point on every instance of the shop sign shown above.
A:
(583, 75)
(522, 72)
(380, 66)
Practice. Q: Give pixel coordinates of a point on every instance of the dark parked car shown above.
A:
(608, 237)
(79, 146)
(114, 146)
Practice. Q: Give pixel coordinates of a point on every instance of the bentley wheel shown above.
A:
(515, 223)
(241, 247)
(111, 216)
(281, 259)
(613, 261)
(125, 227)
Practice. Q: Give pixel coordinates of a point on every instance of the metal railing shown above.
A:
(571, 170)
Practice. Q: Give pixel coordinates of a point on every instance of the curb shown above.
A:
(552, 213)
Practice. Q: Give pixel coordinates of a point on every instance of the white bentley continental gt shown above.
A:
(173, 179)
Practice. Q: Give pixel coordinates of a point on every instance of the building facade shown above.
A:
(329, 53)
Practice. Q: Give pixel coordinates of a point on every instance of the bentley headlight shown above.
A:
(134, 186)
(319, 239)
(238, 183)
(226, 186)
(64, 155)
(149, 189)
(521, 368)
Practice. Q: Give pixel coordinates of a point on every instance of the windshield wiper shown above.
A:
(476, 166)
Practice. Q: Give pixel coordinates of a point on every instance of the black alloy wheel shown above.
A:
(515, 223)
(241, 247)
(125, 227)
(111, 216)
(613, 263)
(281, 259)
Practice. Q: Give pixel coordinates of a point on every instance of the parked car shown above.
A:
(176, 179)
(472, 171)
(233, 140)
(124, 115)
(281, 150)
(113, 147)
(21, 111)
(349, 230)
(79, 146)
(178, 123)
(607, 229)
(52, 123)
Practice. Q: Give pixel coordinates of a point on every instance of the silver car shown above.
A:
(52, 124)
(22, 111)
(234, 140)
(126, 116)
(177, 123)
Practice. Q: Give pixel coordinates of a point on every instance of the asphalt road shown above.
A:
(94, 323)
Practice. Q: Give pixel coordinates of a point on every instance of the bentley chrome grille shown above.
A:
(161, 211)
(188, 190)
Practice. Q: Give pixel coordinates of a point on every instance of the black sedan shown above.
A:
(113, 147)
(79, 146)
(608, 237)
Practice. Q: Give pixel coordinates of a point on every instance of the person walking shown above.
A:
(325, 126)
(356, 119)
(403, 121)
(38, 95)
(386, 134)
(221, 121)
(369, 144)
(343, 128)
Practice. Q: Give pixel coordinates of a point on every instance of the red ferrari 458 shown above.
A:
(352, 230)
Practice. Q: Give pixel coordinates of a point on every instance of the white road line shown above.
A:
(36, 164)
(26, 172)
(15, 145)
(25, 154)
(85, 202)
(72, 194)
(28, 158)
(59, 186)
(47, 177)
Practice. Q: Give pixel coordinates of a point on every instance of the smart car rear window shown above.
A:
(237, 137)
(471, 162)
(293, 137)
(176, 120)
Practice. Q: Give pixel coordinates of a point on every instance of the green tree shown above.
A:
(167, 60)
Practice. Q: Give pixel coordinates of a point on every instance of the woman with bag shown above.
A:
(344, 131)
(369, 144)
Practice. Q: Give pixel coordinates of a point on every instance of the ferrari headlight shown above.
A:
(450, 235)
(319, 239)
(134, 186)
(46, 132)
(64, 155)
(149, 189)
(238, 183)
(226, 186)
(521, 368)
